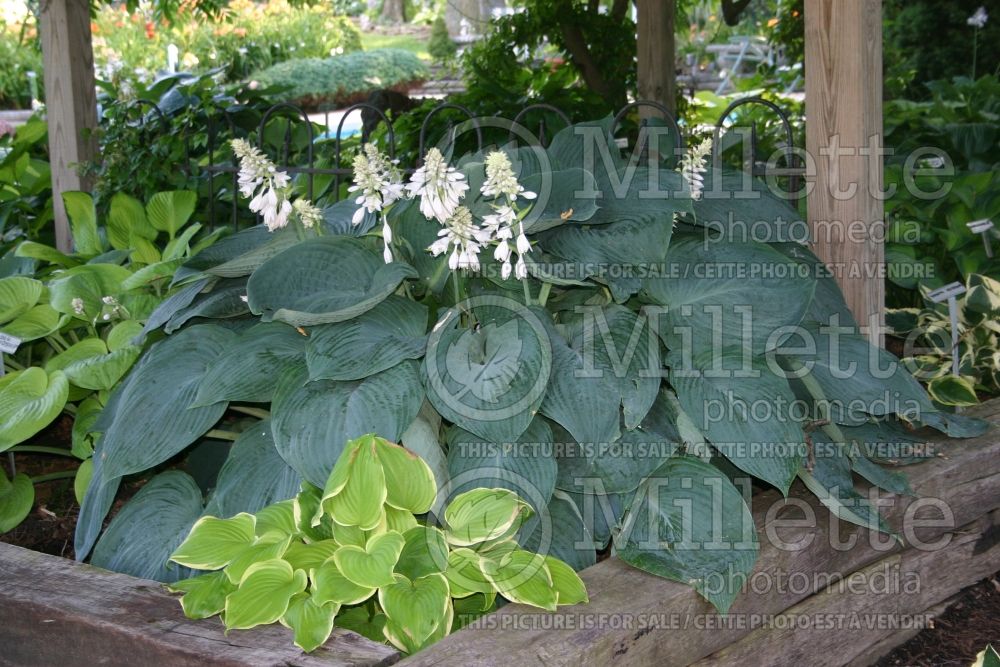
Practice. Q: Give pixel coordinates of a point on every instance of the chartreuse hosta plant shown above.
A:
(611, 337)
(77, 319)
(355, 554)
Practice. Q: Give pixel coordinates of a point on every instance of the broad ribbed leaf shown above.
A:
(263, 594)
(567, 584)
(16, 499)
(490, 380)
(224, 300)
(424, 552)
(750, 420)
(527, 466)
(387, 334)
(149, 527)
(329, 279)
(618, 254)
(409, 481)
(172, 305)
(743, 208)
(169, 211)
(740, 292)
(38, 322)
(311, 623)
(857, 378)
(127, 219)
(204, 595)
(312, 421)
(83, 223)
(330, 585)
(247, 369)
(416, 607)
(90, 283)
(371, 566)
(559, 531)
(214, 543)
(152, 417)
(17, 295)
(253, 476)
(522, 577)
(694, 510)
(29, 401)
(482, 515)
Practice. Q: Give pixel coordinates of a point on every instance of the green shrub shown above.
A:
(252, 36)
(441, 47)
(16, 60)
(343, 79)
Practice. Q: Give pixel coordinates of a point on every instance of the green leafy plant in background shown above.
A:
(928, 333)
(441, 46)
(343, 79)
(355, 555)
(937, 192)
(495, 335)
(25, 193)
(77, 318)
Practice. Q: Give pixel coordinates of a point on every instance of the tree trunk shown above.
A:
(393, 11)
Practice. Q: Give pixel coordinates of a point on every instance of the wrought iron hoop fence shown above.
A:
(222, 168)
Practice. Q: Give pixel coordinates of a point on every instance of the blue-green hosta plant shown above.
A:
(77, 318)
(595, 332)
(354, 554)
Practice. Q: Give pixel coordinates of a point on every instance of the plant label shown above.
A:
(951, 292)
(8, 343)
(982, 227)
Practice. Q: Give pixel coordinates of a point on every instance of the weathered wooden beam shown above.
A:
(656, 78)
(54, 611)
(814, 632)
(70, 101)
(640, 619)
(843, 71)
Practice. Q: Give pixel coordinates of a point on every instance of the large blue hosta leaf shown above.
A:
(858, 379)
(727, 294)
(489, 380)
(149, 418)
(247, 370)
(311, 421)
(150, 527)
(688, 523)
(323, 280)
(745, 409)
(527, 467)
(559, 531)
(611, 361)
(743, 209)
(392, 331)
(253, 476)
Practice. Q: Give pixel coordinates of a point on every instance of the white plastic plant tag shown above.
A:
(8, 343)
(950, 292)
(982, 227)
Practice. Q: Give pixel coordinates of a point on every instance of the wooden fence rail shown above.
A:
(53, 611)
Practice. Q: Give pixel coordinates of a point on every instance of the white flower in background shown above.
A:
(439, 187)
(308, 214)
(503, 224)
(465, 239)
(692, 167)
(77, 305)
(380, 183)
(978, 20)
(377, 179)
(260, 179)
(500, 179)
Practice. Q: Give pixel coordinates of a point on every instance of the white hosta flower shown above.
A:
(308, 214)
(464, 238)
(503, 226)
(77, 305)
(978, 20)
(692, 167)
(260, 179)
(377, 179)
(387, 240)
(500, 179)
(439, 187)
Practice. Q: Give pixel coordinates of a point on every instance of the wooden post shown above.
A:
(843, 63)
(70, 101)
(655, 50)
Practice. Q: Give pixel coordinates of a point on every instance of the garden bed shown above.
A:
(632, 618)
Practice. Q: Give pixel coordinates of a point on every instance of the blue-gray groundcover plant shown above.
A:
(591, 330)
